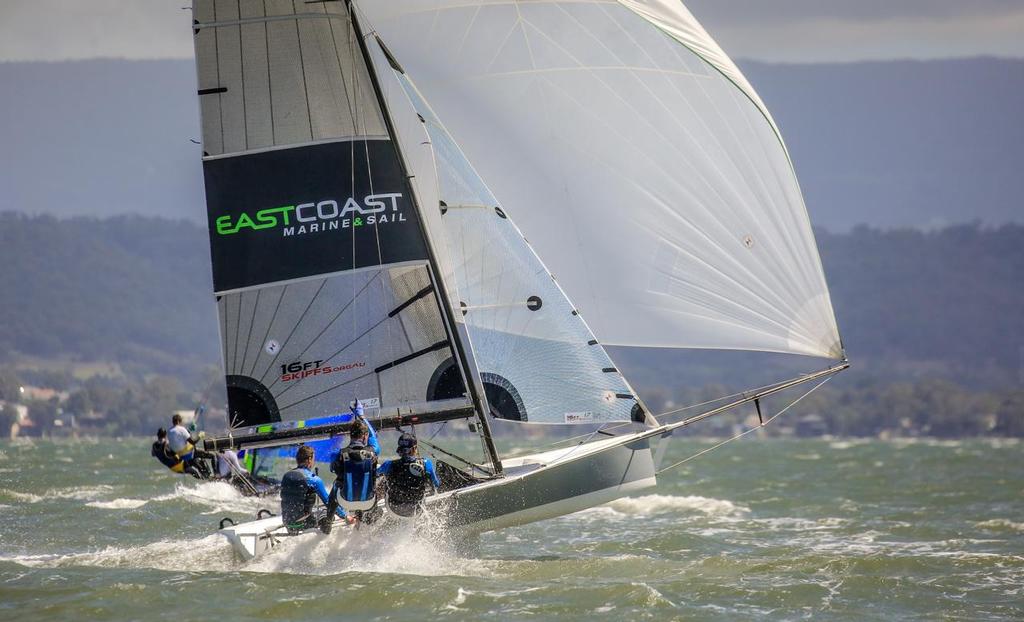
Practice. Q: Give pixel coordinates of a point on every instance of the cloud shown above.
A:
(824, 38)
(781, 30)
(54, 30)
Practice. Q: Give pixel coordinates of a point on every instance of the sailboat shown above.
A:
(392, 186)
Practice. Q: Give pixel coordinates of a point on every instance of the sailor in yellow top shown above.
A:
(181, 444)
(169, 459)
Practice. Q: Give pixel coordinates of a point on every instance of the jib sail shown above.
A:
(538, 360)
(325, 289)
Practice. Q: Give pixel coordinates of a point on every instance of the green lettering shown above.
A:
(224, 225)
(245, 221)
(267, 216)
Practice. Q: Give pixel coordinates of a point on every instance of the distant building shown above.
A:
(43, 394)
(21, 419)
(811, 425)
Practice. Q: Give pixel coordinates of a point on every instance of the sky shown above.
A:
(768, 30)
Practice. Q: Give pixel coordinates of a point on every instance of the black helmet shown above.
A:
(406, 444)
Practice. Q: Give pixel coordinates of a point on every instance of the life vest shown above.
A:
(356, 468)
(298, 498)
(186, 454)
(159, 451)
(407, 485)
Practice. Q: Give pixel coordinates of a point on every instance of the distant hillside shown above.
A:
(889, 144)
(137, 291)
(131, 289)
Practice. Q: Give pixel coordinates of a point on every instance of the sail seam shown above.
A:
(269, 18)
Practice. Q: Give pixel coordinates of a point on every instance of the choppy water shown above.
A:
(770, 529)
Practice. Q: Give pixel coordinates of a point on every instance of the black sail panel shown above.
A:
(292, 213)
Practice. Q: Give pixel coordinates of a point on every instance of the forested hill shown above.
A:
(137, 291)
(129, 289)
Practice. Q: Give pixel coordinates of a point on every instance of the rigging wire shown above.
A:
(748, 431)
(604, 429)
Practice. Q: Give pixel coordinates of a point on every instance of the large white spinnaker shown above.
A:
(537, 360)
(641, 165)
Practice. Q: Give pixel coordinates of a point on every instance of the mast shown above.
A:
(441, 290)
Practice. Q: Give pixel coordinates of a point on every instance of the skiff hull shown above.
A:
(534, 488)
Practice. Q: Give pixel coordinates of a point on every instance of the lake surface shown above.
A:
(763, 529)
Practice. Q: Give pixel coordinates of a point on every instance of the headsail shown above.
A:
(537, 359)
(324, 284)
(640, 164)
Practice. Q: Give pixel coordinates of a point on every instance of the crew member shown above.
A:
(300, 489)
(169, 459)
(181, 442)
(371, 437)
(408, 477)
(356, 469)
(229, 465)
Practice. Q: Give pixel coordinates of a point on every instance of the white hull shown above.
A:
(535, 487)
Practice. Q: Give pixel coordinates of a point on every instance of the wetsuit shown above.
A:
(161, 452)
(300, 489)
(172, 462)
(407, 482)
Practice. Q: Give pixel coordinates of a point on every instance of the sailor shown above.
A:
(300, 489)
(181, 442)
(356, 469)
(228, 464)
(408, 477)
(356, 408)
(169, 459)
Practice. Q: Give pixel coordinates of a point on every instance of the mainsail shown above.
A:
(325, 286)
(635, 157)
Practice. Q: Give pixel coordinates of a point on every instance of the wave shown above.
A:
(342, 552)
(847, 444)
(649, 505)
(394, 551)
(25, 497)
(118, 504)
(219, 497)
(209, 553)
(1001, 524)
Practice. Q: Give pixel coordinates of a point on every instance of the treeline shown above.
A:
(933, 322)
(858, 408)
(99, 405)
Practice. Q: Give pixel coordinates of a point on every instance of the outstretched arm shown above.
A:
(372, 439)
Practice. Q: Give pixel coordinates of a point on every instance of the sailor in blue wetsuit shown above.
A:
(408, 477)
(356, 469)
(300, 489)
(371, 434)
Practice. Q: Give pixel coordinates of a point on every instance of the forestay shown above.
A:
(636, 158)
(324, 285)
